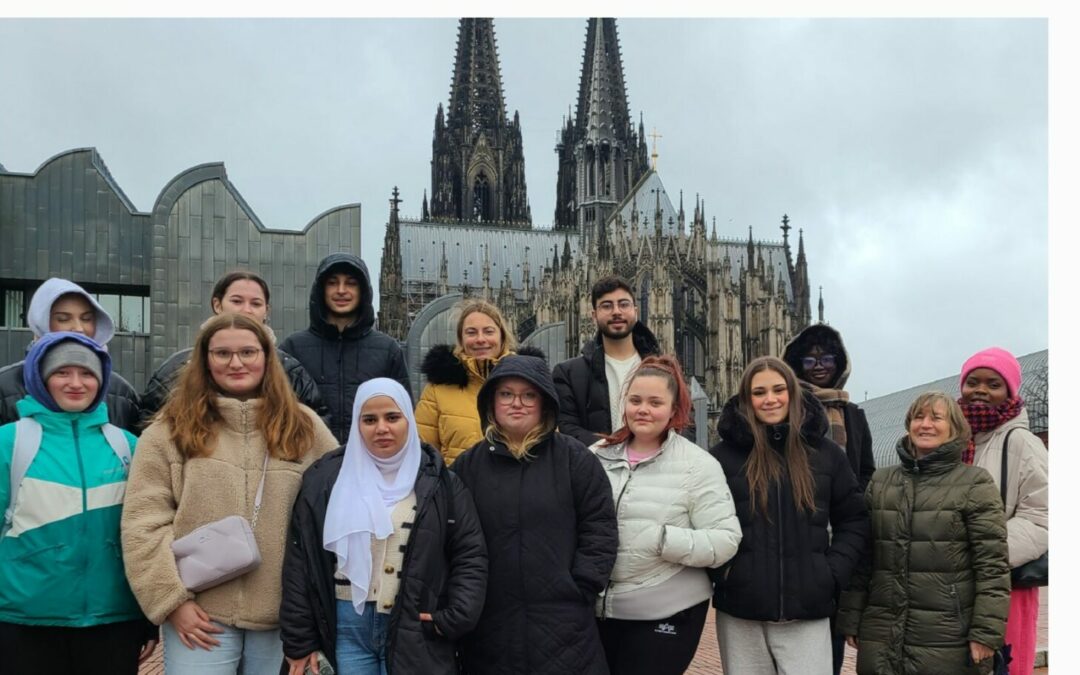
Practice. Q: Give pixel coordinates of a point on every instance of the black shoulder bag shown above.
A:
(1036, 572)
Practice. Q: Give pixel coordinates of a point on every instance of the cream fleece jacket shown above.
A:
(168, 497)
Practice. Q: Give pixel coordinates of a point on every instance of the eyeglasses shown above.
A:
(528, 399)
(608, 306)
(224, 357)
(826, 361)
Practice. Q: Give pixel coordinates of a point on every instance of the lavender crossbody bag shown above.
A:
(220, 551)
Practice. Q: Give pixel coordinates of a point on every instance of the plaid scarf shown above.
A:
(834, 400)
(982, 417)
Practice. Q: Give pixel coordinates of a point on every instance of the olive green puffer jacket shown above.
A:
(938, 576)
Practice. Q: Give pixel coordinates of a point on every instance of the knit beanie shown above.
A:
(70, 354)
(998, 360)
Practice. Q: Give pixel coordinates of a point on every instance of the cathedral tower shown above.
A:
(477, 162)
(600, 155)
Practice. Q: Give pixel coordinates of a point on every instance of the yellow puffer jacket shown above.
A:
(446, 415)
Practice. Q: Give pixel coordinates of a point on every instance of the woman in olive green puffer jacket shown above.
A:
(934, 595)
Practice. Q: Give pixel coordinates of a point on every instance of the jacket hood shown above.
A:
(734, 428)
(442, 366)
(317, 309)
(818, 334)
(532, 369)
(645, 342)
(37, 316)
(35, 385)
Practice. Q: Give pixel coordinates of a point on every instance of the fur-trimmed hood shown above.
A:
(442, 366)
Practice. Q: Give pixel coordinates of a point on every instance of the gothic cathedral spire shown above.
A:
(477, 162)
(599, 155)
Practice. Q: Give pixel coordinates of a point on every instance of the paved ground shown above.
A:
(707, 661)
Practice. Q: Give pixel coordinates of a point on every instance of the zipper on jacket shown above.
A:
(607, 591)
(780, 540)
(82, 521)
(959, 610)
(343, 415)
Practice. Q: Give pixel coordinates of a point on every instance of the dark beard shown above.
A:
(614, 335)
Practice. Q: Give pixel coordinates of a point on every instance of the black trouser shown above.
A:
(838, 642)
(108, 649)
(663, 647)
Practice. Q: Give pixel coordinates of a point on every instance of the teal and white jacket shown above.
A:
(60, 563)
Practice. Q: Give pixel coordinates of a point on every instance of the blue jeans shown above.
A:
(361, 640)
(241, 652)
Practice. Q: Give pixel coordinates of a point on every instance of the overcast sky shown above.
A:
(912, 152)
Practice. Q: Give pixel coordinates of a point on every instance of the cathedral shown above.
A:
(716, 302)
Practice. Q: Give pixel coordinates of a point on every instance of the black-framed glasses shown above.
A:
(224, 357)
(506, 398)
(826, 361)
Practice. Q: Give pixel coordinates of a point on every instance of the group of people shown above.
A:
(515, 519)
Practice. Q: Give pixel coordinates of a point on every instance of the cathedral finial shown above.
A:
(655, 155)
(424, 215)
(785, 227)
(820, 306)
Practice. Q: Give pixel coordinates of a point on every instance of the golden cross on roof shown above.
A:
(654, 155)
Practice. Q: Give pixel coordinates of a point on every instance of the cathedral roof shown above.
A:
(642, 198)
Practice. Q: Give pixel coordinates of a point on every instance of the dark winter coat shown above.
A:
(444, 572)
(161, 383)
(584, 404)
(120, 397)
(939, 573)
(340, 361)
(552, 537)
(786, 566)
(860, 445)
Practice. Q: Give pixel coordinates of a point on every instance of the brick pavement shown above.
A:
(707, 660)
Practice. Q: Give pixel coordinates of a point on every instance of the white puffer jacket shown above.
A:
(674, 511)
(1027, 498)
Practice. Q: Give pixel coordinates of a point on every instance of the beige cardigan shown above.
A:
(168, 497)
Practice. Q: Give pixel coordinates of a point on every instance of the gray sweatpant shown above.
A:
(774, 648)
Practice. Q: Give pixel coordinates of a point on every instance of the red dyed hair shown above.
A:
(667, 367)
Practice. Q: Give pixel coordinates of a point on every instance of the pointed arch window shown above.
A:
(481, 198)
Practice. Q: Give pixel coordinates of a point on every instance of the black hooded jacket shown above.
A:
(444, 572)
(340, 361)
(161, 383)
(120, 398)
(584, 405)
(860, 446)
(787, 567)
(550, 527)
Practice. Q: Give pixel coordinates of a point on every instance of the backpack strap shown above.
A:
(1005, 466)
(27, 442)
(118, 442)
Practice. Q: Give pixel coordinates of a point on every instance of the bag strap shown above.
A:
(1005, 466)
(259, 492)
(27, 442)
(114, 435)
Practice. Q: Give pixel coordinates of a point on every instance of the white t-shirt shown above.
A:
(617, 374)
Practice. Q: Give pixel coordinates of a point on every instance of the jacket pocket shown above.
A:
(961, 619)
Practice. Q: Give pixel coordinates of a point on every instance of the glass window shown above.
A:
(111, 304)
(13, 308)
(132, 317)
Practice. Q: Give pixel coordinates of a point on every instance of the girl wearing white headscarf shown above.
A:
(386, 566)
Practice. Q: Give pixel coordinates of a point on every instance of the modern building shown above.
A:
(153, 271)
(715, 301)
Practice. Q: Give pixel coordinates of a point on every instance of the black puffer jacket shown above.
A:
(552, 538)
(786, 567)
(120, 397)
(161, 383)
(340, 361)
(860, 445)
(584, 405)
(444, 572)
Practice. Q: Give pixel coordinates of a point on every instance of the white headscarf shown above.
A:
(362, 500)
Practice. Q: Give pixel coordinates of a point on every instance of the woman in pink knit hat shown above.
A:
(990, 400)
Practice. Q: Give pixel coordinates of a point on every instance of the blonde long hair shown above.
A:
(765, 466)
(191, 409)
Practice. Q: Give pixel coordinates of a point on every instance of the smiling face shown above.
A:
(243, 296)
(819, 367)
(237, 362)
(769, 397)
(383, 426)
(73, 388)
(342, 294)
(480, 336)
(650, 405)
(518, 407)
(73, 312)
(985, 386)
(615, 314)
(929, 428)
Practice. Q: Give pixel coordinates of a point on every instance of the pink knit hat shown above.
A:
(998, 360)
